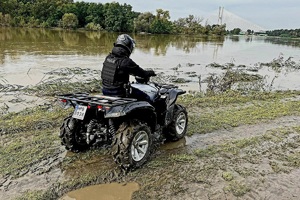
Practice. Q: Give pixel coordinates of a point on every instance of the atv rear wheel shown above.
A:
(72, 135)
(178, 127)
(132, 144)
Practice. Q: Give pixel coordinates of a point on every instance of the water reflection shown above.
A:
(234, 38)
(16, 41)
(283, 41)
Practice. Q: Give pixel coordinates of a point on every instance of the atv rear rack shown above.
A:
(96, 100)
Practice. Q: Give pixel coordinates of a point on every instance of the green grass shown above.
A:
(210, 119)
(233, 98)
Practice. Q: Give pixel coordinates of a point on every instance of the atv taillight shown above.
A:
(64, 103)
(88, 107)
(99, 107)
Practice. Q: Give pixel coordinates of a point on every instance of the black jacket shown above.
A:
(116, 70)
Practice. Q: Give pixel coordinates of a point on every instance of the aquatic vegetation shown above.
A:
(280, 63)
(227, 80)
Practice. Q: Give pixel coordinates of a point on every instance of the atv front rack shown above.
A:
(96, 99)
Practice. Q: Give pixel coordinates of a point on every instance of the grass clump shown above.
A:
(227, 176)
(237, 188)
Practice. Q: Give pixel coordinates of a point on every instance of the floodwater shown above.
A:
(27, 54)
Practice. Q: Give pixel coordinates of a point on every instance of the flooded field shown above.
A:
(243, 144)
(27, 54)
(30, 57)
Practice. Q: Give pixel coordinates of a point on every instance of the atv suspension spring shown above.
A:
(111, 128)
(89, 130)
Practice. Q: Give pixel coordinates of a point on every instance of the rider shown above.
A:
(118, 66)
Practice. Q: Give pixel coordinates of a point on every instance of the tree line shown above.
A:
(292, 33)
(113, 17)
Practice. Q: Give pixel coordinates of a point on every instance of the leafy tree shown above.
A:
(42, 9)
(143, 21)
(161, 23)
(188, 25)
(81, 12)
(8, 6)
(5, 20)
(33, 22)
(218, 29)
(95, 14)
(295, 33)
(69, 20)
(235, 31)
(93, 27)
(118, 17)
(179, 25)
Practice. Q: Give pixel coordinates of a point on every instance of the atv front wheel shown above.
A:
(72, 135)
(178, 127)
(132, 144)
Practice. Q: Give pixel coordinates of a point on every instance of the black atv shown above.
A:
(130, 126)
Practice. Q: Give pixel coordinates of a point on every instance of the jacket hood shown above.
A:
(120, 51)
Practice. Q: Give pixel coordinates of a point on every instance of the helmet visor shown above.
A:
(133, 41)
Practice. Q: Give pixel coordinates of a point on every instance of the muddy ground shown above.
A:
(239, 146)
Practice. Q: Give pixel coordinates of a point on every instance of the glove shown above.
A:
(150, 73)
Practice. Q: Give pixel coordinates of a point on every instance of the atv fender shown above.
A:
(123, 110)
(173, 94)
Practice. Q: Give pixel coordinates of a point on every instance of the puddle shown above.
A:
(174, 145)
(112, 191)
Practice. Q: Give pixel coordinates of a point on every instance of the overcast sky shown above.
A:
(269, 14)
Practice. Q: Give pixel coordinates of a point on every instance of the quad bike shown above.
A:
(130, 126)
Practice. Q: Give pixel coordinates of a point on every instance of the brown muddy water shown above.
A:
(27, 54)
(113, 191)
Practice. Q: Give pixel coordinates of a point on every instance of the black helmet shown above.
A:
(126, 41)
